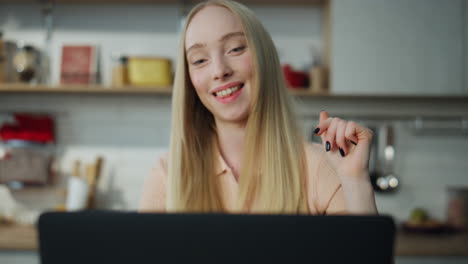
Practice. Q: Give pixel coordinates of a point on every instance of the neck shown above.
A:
(231, 143)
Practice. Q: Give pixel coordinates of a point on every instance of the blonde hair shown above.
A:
(272, 177)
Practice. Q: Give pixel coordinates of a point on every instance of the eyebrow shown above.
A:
(223, 38)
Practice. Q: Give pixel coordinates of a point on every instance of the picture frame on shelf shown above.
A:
(79, 65)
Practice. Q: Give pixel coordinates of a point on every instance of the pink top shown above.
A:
(325, 195)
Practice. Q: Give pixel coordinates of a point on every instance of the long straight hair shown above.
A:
(273, 173)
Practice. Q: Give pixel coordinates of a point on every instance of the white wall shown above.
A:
(398, 47)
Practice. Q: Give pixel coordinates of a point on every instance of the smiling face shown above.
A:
(220, 63)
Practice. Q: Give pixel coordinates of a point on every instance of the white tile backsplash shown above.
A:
(131, 132)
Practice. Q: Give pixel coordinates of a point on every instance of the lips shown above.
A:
(228, 93)
(225, 87)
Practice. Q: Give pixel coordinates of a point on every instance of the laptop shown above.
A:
(129, 237)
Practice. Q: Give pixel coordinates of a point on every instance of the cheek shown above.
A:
(247, 65)
(198, 80)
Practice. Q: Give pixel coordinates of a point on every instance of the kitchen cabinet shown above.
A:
(398, 47)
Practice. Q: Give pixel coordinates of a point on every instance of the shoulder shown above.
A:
(161, 163)
(159, 170)
(153, 197)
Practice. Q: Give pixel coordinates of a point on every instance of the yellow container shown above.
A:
(149, 71)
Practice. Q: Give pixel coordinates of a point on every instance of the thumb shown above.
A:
(323, 116)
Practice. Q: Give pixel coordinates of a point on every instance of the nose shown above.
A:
(221, 69)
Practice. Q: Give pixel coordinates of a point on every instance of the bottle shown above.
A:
(120, 71)
(319, 80)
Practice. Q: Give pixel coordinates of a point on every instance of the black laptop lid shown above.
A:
(128, 237)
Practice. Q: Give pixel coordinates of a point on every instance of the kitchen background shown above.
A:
(393, 62)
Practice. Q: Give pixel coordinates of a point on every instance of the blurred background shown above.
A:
(85, 105)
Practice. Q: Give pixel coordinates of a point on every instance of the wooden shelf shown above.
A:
(167, 91)
(306, 92)
(92, 89)
(175, 2)
(98, 89)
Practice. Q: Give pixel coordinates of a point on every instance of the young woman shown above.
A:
(235, 145)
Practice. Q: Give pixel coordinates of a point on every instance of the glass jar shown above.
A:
(26, 63)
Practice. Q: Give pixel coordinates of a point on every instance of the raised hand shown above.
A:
(348, 146)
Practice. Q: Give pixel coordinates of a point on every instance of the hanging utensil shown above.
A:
(374, 161)
(383, 177)
(389, 154)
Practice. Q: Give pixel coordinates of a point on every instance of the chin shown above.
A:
(234, 117)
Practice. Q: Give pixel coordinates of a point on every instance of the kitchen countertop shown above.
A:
(408, 244)
(16, 237)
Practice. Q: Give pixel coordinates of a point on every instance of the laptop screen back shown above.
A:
(128, 237)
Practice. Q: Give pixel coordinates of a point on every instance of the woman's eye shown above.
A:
(238, 49)
(197, 62)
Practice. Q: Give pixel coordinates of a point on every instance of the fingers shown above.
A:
(334, 137)
(340, 137)
(351, 131)
(337, 134)
(329, 137)
(324, 123)
(324, 116)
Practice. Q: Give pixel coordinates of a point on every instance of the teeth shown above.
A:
(228, 91)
